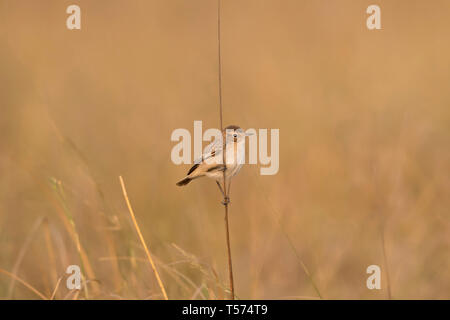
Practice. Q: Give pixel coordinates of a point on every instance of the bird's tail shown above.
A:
(184, 181)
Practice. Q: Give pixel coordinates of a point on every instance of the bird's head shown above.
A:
(235, 133)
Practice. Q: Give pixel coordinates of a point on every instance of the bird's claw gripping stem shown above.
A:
(226, 201)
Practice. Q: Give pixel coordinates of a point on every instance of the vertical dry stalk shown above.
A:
(51, 251)
(230, 262)
(76, 237)
(225, 192)
(150, 259)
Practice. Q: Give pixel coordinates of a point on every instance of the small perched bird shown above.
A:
(211, 164)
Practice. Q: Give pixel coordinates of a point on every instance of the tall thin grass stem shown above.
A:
(149, 256)
(225, 192)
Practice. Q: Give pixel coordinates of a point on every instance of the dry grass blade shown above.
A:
(71, 145)
(75, 296)
(22, 252)
(73, 291)
(56, 288)
(196, 264)
(298, 298)
(176, 275)
(50, 251)
(149, 256)
(29, 286)
(276, 216)
(197, 292)
(85, 265)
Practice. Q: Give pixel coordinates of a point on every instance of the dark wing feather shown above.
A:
(193, 168)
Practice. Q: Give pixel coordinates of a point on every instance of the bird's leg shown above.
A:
(220, 188)
(226, 199)
(229, 189)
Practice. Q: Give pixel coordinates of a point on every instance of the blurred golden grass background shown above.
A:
(364, 123)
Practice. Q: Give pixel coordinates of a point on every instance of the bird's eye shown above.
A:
(235, 135)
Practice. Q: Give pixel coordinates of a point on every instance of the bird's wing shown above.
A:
(211, 150)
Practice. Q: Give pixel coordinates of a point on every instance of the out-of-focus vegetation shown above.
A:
(364, 123)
